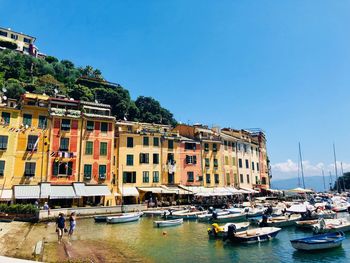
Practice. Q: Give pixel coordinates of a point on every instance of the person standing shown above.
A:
(72, 224)
(60, 226)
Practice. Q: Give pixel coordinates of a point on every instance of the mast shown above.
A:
(299, 184)
(330, 181)
(324, 181)
(336, 170)
(301, 166)
(342, 173)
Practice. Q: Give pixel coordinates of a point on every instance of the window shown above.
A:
(191, 159)
(144, 157)
(155, 158)
(233, 161)
(226, 160)
(26, 40)
(42, 122)
(3, 142)
(190, 177)
(207, 176)
(253, 167)
(87, 171)
(65, 125)
(200, 179)
(103, 148)
(6, 117)
(102, 169)
(248, 179)
(156, 141)
(130, 142)
(129, 159)
(263, 180)
(89, 148)
(246, 164)
(3, 33)
(145, 141)
(145, 177)
(64, 144)
(170, 157)
(31, 144)
(129, 177)
(104, 127)
(241, 178)
(215, 147)
(62, 169)
(216, 178)
(15, 37)
(216, 163)
(206, 147)
(240, 163)
(228, 179)
(155, 177)
(190, 146)
(29, 169)
(90, 125)
(245, 148)
(27, 119)
(207, 163)
(225, 144)
(2, 167)
(170, 144)
(257, 167)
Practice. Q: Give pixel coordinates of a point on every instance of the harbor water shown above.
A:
(141, 242)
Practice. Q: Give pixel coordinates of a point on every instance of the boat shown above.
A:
(156, 212)
(236, 210)
(319, 242)
(283, 221)
(254, 235)
(340, 207)
(187, 215)
(127, 217)
(306, 224)
(255, 212)
(332, 225)
(229, 218)
(209, 216)
(100, 219)
(166, 223)
(219, 231)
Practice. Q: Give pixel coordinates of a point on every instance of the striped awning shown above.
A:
(27, 191)
(6, 194)
(129, 191)
(62, 192)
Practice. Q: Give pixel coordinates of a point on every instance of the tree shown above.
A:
(14, 88)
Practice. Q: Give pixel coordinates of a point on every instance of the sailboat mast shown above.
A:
(330, 181)
(336, 170)
(301, 166)
(324, 181)
(342, 173)
(299, 184)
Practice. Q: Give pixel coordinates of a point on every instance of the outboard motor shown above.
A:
(214, 215)
(231, 230)
(210, 210)
(263, 222)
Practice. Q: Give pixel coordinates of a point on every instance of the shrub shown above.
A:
(18, 209)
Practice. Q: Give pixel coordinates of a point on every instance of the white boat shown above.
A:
(229, 218)
(319, 242)
(127, 217)
(283, 221)
(236, 210)
(187, 214)
(332, 225)
(340, 207)
(254, 212)
(254, 235)
(219, 231)
(306, 224)
(166, 223)
(156, 212)
(208, 216)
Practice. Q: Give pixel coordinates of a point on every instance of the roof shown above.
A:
(98, 105)
(27, 191)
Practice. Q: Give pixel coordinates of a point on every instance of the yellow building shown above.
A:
(229, 159)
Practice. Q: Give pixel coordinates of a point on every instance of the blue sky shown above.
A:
(282, 66)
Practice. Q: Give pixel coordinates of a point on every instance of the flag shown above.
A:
(35, 144)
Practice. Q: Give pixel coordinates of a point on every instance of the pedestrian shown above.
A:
(60, 226)
(72, 224)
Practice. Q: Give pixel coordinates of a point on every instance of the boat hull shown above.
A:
(123, 219)
(229, 218)
(319, 242)
(255, 238)
(168, 223)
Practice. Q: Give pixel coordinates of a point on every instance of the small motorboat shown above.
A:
(283, 221)
(306, 224)
(331, 225)
(235, 210)
(318, 242)
(228, 218)
(252, 236)
(187, 215)
(340, 207)
(217, 231)
(166, 223)
(209, 216)
(100, 219)
(255, 212)
(127, 217)
(156, 212)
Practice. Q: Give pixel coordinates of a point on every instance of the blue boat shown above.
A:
(319, 242)
(254, 235)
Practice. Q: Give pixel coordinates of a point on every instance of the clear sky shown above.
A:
(283, 66)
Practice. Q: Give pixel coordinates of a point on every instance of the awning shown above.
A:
(79, 189)
(97, 190)
(248, 190)
(233, 190)
(62, 192)
(156, 190)
(45, 190)
(129, 191)
(27, 191)
(178, 190)
(6, 195)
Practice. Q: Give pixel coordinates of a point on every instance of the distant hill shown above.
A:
(313, 182)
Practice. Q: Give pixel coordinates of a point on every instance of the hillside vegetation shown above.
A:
(20, 73)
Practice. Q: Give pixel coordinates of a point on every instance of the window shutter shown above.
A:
(194, 159)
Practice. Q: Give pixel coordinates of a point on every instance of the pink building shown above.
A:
(190, 162)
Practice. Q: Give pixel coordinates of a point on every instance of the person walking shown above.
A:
(60, 226)
(72, 224)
